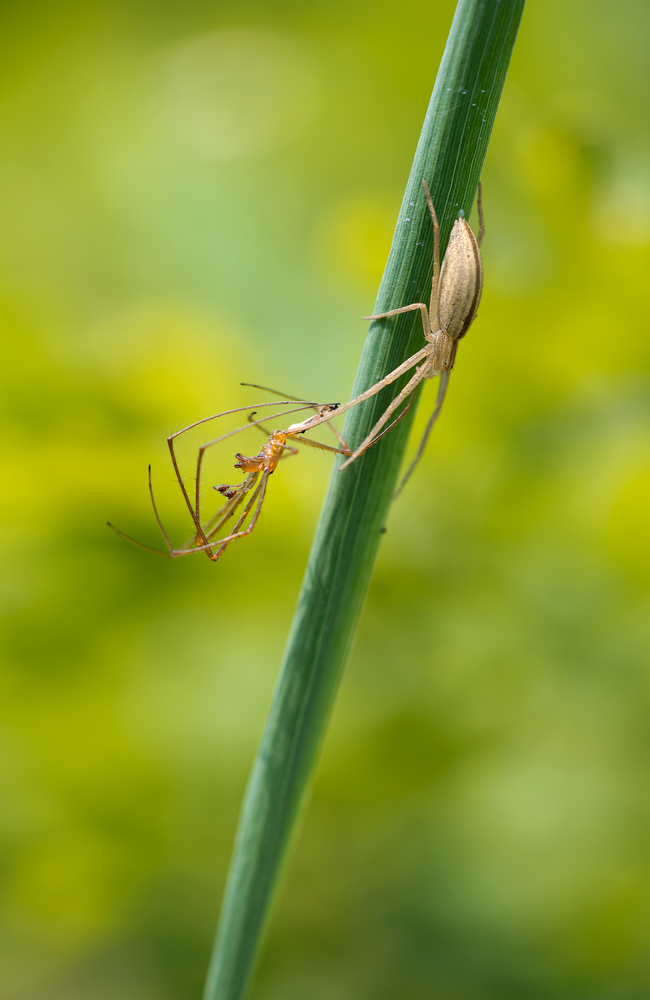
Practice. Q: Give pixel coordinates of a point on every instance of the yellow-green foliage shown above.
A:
(479, 828)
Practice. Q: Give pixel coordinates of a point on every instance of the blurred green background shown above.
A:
(193, 195)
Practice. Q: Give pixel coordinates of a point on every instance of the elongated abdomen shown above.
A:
(461, 282)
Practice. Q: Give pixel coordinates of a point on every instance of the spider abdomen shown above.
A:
(461, 282)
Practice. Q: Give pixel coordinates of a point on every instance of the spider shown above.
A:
(455, 295)
(257, 468)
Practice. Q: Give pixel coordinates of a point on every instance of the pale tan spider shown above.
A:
(455, 295)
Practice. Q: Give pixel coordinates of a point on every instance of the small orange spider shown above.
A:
(258, 468)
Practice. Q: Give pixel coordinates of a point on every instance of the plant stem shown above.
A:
(449, 156)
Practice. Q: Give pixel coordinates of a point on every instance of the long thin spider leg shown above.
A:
(305, 404)
(338, 437)
(391, 377)
(396, 421)
(223, 542)
(390, 426)
(139, 545)
(267, 389)
(254, 423)
(481, 223)
(259, 493)
(193, 514)
(219, 541)
(159, 522)
(265, 431)
(440, 398)
(199, 464)
(249, 506)
(170, 442)
(172, 554)
(190, 545)
(195, 510)
(426, 319)
(186, 550)
(410, 386)
(334, 431)
(224, 513)
(436, 249)
(177, 553)
(197, 485)
(316, 444)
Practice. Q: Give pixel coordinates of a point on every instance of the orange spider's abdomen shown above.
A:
(268, 458)
(273, 450)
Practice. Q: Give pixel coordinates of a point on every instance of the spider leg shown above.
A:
(410, 387)
(316, 444)
(172, 550)
(338, 438)
(139, 545)
(304, 405)
(258, 495)
(266, 388)
(391, 377)
(265, 431)
(221, 543)
(436, 249)
(171, 554)
(275, 391)
(426, 322)
(194, 510)
(190, 546)
(217, 521)
(396, 421)
(251, 423)
(442, 389)
(481, 222)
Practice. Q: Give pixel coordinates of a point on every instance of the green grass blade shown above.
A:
(450, 156)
